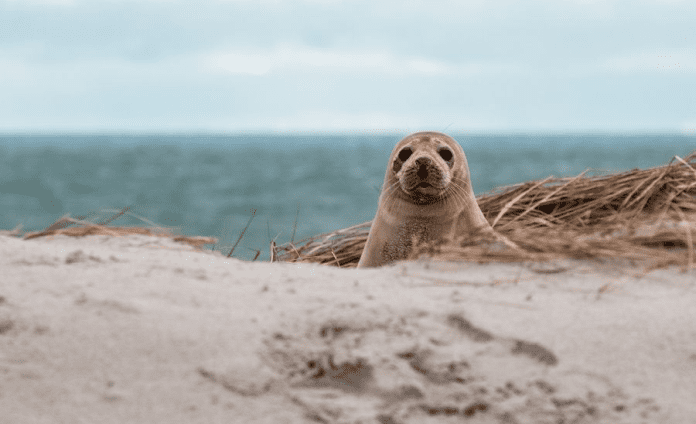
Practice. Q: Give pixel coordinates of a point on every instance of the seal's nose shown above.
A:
(423, 164)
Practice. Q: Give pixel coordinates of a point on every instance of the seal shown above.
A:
(426, 196)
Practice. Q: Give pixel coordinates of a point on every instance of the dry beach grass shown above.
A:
(78, 227)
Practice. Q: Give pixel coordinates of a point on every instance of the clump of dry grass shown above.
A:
(647, 215)
(78, 227)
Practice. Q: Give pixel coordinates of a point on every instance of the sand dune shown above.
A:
(146, 330)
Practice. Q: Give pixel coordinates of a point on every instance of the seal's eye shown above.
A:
(405, 153)
(445, 153)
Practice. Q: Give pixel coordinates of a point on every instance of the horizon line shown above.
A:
(366, 132)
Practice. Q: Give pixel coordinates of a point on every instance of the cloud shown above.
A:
(293, 58)
(664, 60)
(688, 127)
(323, 119)
(330, 119)
(42, 2)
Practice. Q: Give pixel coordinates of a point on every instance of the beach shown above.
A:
(145, 329)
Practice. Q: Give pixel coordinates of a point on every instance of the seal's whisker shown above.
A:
(458, 199)
(463, 200)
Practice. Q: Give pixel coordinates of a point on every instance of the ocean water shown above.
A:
(294, 186)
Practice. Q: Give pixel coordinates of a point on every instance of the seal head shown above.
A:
(426, 189)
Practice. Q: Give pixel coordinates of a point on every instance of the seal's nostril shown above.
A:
(423, 163)
(422, 171)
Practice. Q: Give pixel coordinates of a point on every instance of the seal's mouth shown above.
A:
(421, 187)
(423, 180)
(427, 189)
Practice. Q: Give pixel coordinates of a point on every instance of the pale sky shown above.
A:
(347, 65)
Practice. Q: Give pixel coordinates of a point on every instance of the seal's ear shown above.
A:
(401, 157)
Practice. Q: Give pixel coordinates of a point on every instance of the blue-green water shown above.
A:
(209, 185)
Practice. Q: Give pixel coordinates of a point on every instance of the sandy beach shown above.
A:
(147, 330)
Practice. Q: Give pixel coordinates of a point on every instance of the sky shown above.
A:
(364, 66)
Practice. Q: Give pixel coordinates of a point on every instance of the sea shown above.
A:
(279, 187)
